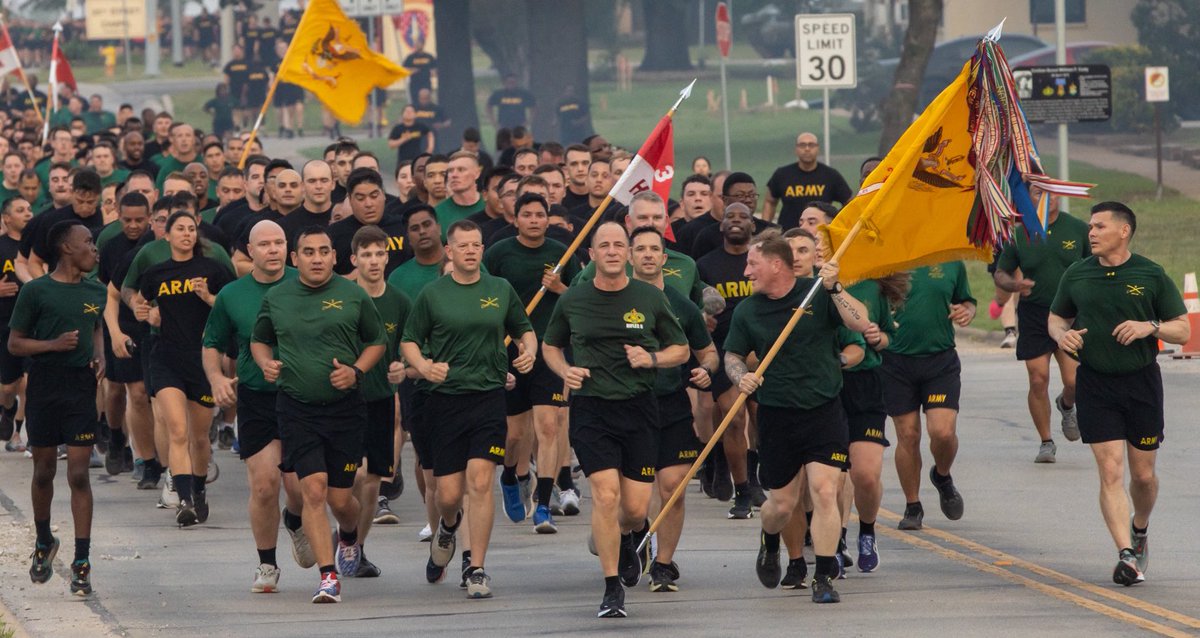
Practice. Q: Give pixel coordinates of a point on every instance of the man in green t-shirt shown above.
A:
(56, 322)
(1111, 310)
(381, 445)
(182, 152)
(620, 332)
(802, 429)
(921, 370)
(527, 261)
(315, 337)
(231, 323)
(455, 339)
(678, 446)
(462, 176)
(1032, 268)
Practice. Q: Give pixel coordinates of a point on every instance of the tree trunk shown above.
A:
(666, 36)
(502, 33)
(456, 75)
(923, 19)
(557, 58)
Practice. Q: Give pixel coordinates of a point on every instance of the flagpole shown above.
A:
(53, 101)
(21, 71)
(742, 396)
(591, 222)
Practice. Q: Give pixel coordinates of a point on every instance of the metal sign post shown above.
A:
(1158, 90)
(826, 58)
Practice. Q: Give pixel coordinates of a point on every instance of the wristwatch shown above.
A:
(1156, 324)
(837, 288)
(842, 359)
(358, 375)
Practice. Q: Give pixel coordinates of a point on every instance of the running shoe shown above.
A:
(214, 471)
(757, 495)
(478, 584)
(302, 551)
(433, 573)
(466, 567)
(868, 553)
(1010, 338)
(628, 565)
(570, 502)
(384, 514)
(425, 534)
(81, 578)
(526, 486)
(366, 569)
(168, 498)
(96, 461)
(613, 605)
(442, 549)
(767, 564)
(706, 479)
(823, 591)
(543, 521)
(103, 435)
(348, 558)
(186, 515)
(139, 470)
(722, 481)
(330, 590)
(150, 477)
(236, 448)
(14, 444)
(913, 516)
(1070, 419)
(741, 509)
(62, 452)
(844, 551)
(213, 426)
(555, 502)
(127, 460)
(1046, 453)
(200, 502)
(663, 577)
(948, 497)
(266, 580)
(225, 437)
(513, 506)
(43, 558)
(796, 576)
(1127, 572)
(1141, 549)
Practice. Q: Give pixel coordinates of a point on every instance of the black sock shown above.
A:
(752, 465)
(523, 478)
(808, 517)
(843, 536)
(328, 569)
(1047, 440)
(741, 488)
(267, 556)
(292, 521)
(1140, 530)
(937, 477)
(199, 483)
(611, 584)
(117, 439)
(453, 528)
(544, 487)
(183, 486)
(466, 560)
(866, 529)
(509, 475)
(347, 538)
(44, 537)
(914, 505)
(771, 541)
(827, 566)
(82, 547)
(565, 480)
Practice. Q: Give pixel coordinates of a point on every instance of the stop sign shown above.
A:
(724, 30)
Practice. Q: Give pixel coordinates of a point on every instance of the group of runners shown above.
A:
(316, 322)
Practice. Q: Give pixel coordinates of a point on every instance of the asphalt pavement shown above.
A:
(1030, 557)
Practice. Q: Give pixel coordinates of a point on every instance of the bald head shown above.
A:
(268, 248)
(318, 185)
(288, 192)
(806, 150)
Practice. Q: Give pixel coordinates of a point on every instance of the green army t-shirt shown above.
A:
(232, 318)
(924, 326)
(679, 273)
(46, 308)
(806, 373)
(393, 307)
(159, 251)
(310, 327)
(412, 277)
(523, 267)
(879, 312)
(1045, 261)
(670, 380)
(1101, 297)
(464, 325)
(598, 324)
(449, 212)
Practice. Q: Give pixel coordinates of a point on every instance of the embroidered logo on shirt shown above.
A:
(331, 304)
(390, 327)
(490, 302)
(91, 309)
(1135, 291)
(1068, 244)
(673, 272)
(634, 319)
(935, 272)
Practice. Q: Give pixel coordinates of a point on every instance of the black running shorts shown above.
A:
(183, 371)
(116, 369)
(60, 406)
(1121, 407)
(539, 387)
(1033, 331)
(258, 424)
(677, 442)
(862, 400)
(322, 438)
(911, 383)
(379, 440)
(464, 427)
(616, 434)
(789, 439)
(11, 366)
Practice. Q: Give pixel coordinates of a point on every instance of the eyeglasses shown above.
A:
(745, 197)
(806, 145)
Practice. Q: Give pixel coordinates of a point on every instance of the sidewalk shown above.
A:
(1175, 175)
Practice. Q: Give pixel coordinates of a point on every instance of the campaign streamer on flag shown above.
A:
(9, 62)
(62, 68)
(331, 58)
(651, 169)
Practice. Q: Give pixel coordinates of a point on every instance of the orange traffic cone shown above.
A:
(1191, 301)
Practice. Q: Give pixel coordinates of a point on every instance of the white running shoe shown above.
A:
(302, 551)
(425, 534)
(168, 499)
(1070, 420)
(266, 580)
(570, 502)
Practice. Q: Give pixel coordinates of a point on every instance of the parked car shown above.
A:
(1077, 52)
(948, 58)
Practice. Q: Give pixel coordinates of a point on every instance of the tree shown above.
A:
(503, 34)
(557, 57)
(1168, 29)
(923, 19)
(456, 74)
(666, 36)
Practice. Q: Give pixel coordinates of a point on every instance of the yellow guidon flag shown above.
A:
(331, 58)
(916, 206)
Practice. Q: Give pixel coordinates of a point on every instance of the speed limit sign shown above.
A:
(825, 51)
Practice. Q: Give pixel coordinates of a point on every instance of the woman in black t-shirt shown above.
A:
(184, 287)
